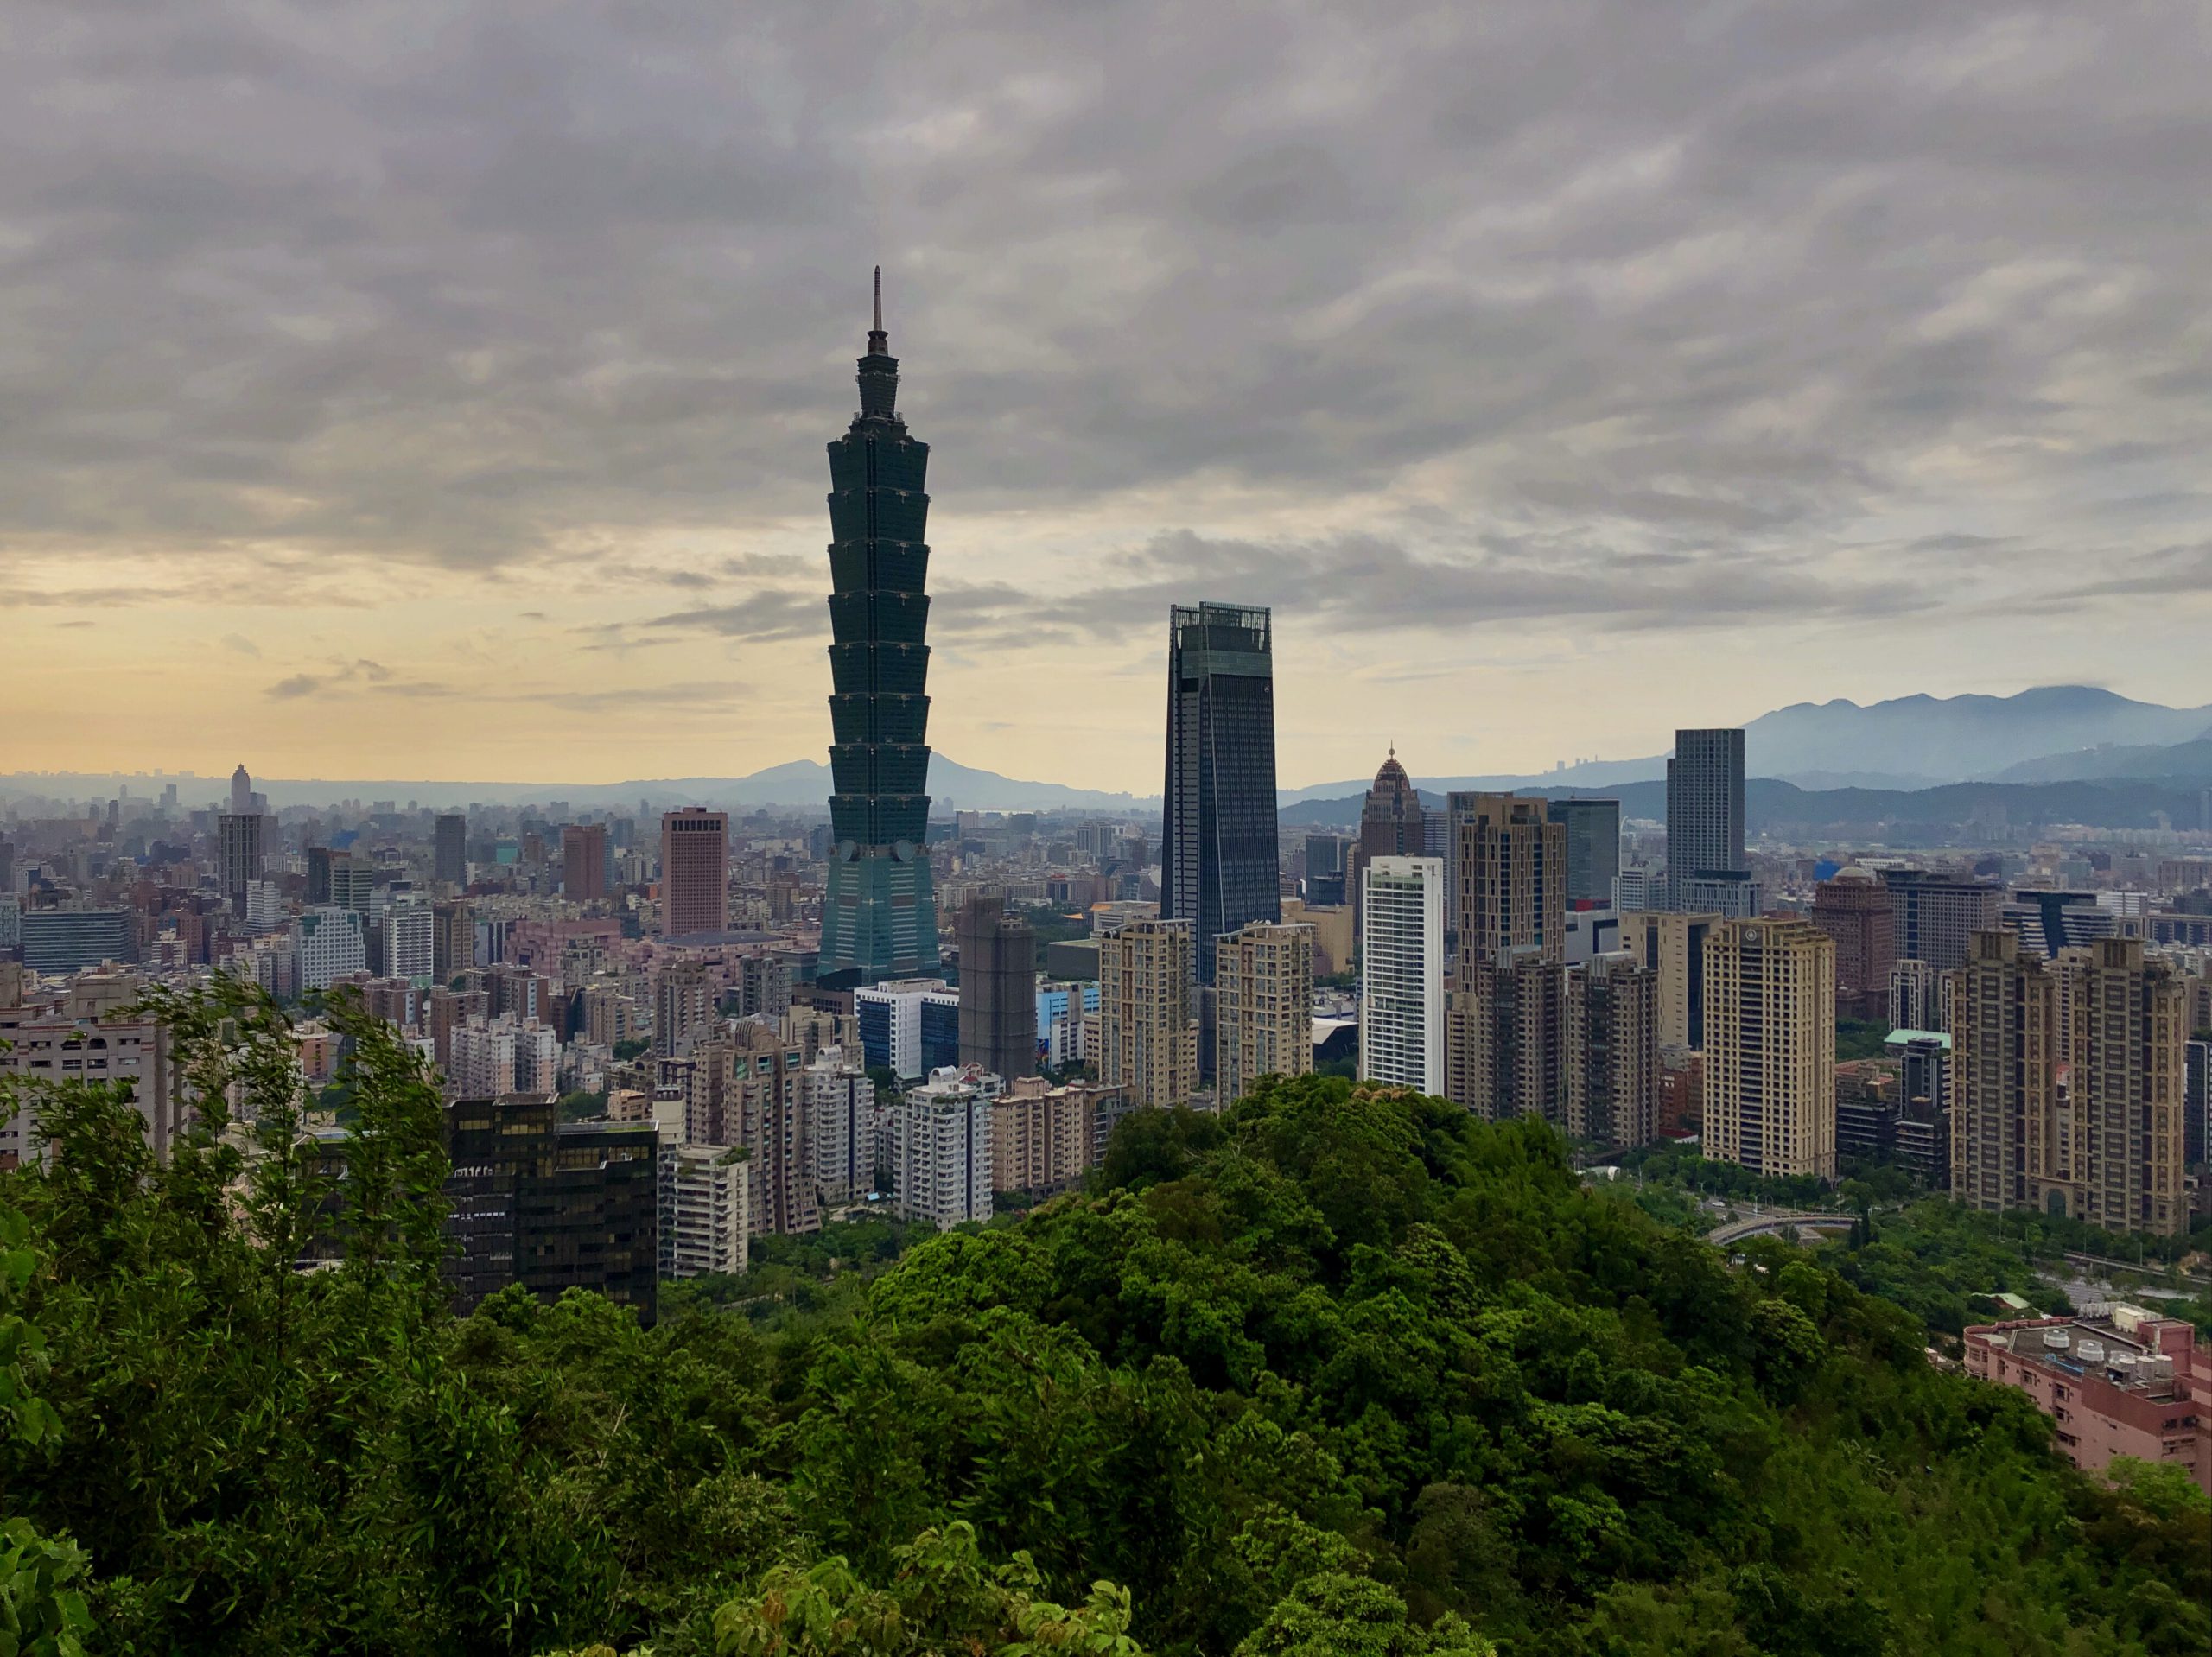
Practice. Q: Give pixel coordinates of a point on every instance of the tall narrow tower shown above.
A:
(1219, 853)
(878, 919)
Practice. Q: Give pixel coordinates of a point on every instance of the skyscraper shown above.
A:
(1402, 972)
(240, 848)
(1391, 821)
(998, 988)
(1936, 915)
(241, 793)
(694, 871)
(1510, 863)
(451, 857)
(2127, 1047)
(2007, 1042)
(879, 913)
(1770, 1050)
(1854, 909)
(1706, 867)
(1218, 856)
(1593, 846)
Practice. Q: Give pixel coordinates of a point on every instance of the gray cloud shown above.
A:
(1613, 311)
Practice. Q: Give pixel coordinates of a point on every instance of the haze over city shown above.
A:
(422, 391)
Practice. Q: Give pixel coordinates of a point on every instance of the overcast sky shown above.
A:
(440, 389)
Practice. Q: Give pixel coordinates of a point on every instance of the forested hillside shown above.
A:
(1343, 1372)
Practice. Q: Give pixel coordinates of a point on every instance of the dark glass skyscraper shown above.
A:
(1706, 870)
(1218, 856)
(879, 917)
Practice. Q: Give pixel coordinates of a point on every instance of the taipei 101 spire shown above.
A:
(878, 917)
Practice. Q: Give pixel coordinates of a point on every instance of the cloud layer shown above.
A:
(1570, 341)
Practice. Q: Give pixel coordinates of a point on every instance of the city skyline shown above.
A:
(461, 418)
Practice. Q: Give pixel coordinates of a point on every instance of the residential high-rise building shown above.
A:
(2006, 1043)
(1401, 1035)
(694, 871)
(1218, 851)
(683, 1004)
(1045, 1138)
(1592, 848)
(747, 1088)
(409, 930)
(2127, 1044)
(1672, 945)
(1855, 910)
(1148, 1038)
(1612, 1052)
(1770, 1050)
(1506, 1037)
(453, 941)
(584, 862)
(449, 855)
(1512, 883)
(842, 1116)
(239, 847)
(705, 1221)
(1705, 866)
(1263, 1016)
(1936, 916)
(331, 942)
(998, 988)
(879, 912)
(941, 1156)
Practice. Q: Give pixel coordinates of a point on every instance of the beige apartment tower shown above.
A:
(1770, 1047)
(2127, 1037)
(1263, 1006)
(1147, 1035)
(2006, 1042)
(1508, 870)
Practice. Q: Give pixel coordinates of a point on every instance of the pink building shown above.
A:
(2119, 1381)
(694, 871)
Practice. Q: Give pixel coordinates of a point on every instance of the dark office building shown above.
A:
(878, 914)
(1706, 867)
(319, 858)
(70, 940)
(452, 850)
(1324, 868)
(998, 988)
(550, 1205)
(1217, 853)
(1593, 846)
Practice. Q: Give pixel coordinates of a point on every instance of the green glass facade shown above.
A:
(879, 916)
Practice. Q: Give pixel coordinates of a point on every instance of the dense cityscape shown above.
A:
(1752, 1199)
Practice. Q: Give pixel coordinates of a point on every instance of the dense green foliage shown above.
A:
(1344, 1372)
(1861, 1038)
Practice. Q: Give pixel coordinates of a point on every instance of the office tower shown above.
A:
(1612, 1052)
(239, 840)
(998, 988)
(2054, 921)
(1855, 910)
(705, 1222)
(2127, 1042)
(1391, 821)
(1705, 868)
(1146, 1030)
(1922, 1134)
(319, 862)
(70, 940)
(1634, 889)
(583, 862)
(1770, 1050)
(1593, 846)
(1936, 916)
(330, 941)
(683, 1006)
(879, 913)
(2006, 1047)
(694, 873)
(909, 1026)
(941, 1156)
(1263, 1012)
(1672, 945)
(242, 793)
(1512, 891)
(450, 849)
(1325, 861)
(1217, 853)
(352, 884)
(550, 1205)
(1402, 972)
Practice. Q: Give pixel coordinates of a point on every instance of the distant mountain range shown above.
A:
(2059, 733)
(2053, 733)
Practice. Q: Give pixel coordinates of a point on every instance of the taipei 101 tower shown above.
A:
(878, 917)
